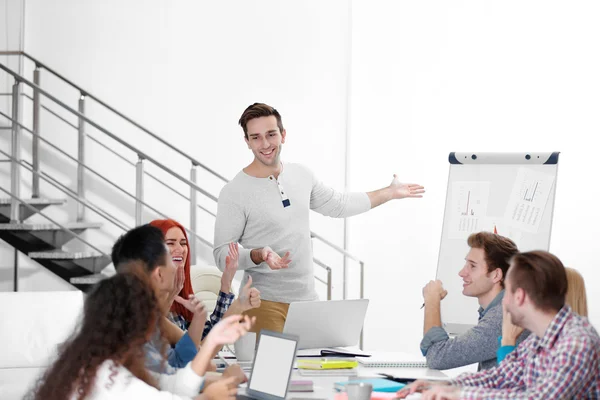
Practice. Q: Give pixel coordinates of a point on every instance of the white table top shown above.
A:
(324, 385)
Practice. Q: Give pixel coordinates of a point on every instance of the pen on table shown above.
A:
(222, 359)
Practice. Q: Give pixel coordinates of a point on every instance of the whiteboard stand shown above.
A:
(511, 194)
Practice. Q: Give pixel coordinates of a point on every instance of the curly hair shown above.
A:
(120, 316)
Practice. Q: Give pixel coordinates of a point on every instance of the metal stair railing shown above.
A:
(122, 158)
(82, 119)
(138, 198)
(140, 171)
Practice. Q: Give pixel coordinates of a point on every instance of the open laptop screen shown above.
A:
(273, 364)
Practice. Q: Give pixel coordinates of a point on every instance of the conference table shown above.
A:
(324, 385)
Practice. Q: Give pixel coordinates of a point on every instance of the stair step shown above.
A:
(41, 237)
(49, 227)
(64, 255)
(35, 201)
(88, 279)
(24, 211)
(71, 264)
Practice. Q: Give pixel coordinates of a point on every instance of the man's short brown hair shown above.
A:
(498, 250)
(258, 110)
(542, 276)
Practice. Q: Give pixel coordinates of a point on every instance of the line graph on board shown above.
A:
(528, 199)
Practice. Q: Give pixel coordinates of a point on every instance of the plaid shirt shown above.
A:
(224, 300)
(564, 364)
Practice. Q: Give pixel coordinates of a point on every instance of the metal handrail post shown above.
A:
(35, 141)
(362, 296)
(329, 284)
(15, 152)
(81, 158)
(139, 190)
(193, 213)
(344, 279)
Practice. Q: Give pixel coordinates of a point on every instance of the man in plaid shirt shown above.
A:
(560, 360)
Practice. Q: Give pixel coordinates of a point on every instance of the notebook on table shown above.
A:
(326, 363)
(328, 372)
(393, 360)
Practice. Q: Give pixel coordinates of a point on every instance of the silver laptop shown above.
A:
(272, 367)
(333, 323)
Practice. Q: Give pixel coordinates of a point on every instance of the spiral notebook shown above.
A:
(393, 360)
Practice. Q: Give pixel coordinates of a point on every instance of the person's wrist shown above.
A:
(431, 299)
(225, 286)
(508, 340)
(257, 256)
(245, 305)
(202, 359)
(389, 195)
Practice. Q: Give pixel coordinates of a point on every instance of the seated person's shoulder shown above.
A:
(493, 316)
(579, 329)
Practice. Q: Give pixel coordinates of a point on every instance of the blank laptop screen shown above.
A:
(272, 365)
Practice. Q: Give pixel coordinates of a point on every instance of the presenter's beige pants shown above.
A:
(270, 315)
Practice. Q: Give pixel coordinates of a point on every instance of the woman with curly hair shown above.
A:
(105, 359)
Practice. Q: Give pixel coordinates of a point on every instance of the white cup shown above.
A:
(359, 391)
(244, 347)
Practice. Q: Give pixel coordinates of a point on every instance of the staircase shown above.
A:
(46, 242)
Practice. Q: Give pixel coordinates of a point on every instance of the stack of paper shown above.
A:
(329, 372)
(394, 360)
(301, 386)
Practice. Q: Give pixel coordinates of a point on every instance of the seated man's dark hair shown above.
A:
(144, 243)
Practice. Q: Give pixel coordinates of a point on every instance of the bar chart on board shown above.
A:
(469, 207)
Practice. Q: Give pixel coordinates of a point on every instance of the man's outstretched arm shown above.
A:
(396, 190)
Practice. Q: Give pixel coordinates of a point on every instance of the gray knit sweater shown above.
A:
(253, 212)
(478, 345)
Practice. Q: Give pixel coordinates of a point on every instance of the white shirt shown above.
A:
(117, 382)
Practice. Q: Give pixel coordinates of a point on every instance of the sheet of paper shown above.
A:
(499, 226)
(469, 207)
(528, 200)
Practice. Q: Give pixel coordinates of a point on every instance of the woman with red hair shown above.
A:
(179, 248)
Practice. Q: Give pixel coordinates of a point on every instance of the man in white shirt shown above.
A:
(266, 209)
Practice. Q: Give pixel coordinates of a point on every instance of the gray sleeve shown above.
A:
(476, 345)
(229, 227)
(434, 335)
(332, 203)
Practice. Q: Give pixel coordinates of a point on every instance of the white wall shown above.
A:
(32, 276)
(427, 78)
(434, 77)
(187, 70)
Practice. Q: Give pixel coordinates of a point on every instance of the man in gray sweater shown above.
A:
(265, 209)
(483, 277)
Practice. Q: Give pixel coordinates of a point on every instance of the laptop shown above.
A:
(272, 366)
(333, 323)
